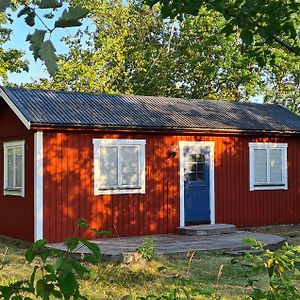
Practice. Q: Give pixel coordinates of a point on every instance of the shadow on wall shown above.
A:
(69, 187)
(235, 203)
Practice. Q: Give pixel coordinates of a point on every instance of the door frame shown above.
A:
(211, 145)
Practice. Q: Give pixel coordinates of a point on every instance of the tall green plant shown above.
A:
(55, 273)
(282, 268)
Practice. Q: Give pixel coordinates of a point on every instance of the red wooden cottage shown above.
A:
(138, 165)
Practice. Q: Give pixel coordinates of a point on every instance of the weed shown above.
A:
(147, 249)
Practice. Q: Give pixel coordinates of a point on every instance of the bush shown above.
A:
(282, 269)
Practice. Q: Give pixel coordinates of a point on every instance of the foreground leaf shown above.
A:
(49, 4)
(70, 17)
(47, 55)
(36, 39)
(4, 4)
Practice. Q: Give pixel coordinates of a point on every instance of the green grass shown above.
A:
(112, 281)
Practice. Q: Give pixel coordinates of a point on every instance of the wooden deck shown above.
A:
(176, 243)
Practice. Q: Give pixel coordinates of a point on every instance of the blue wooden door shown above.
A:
(196, 185)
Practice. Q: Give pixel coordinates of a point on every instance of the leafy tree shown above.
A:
(133, 50)
(259, 22)
(282, 81)
(11, 60)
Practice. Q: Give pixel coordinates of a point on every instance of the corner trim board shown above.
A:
(15, 109)
(38, 186)
(211, 145)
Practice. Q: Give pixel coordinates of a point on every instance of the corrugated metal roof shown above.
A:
(57, 108)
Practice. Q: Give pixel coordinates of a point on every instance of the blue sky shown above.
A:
(18, 41)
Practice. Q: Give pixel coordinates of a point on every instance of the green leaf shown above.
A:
(30, 18)
(67, 23)
(25, 11)
(91, 259)
(72, 243)
(40, 288)
(48, 56)
(49, 16)
(82, 223)
(49, 4)
(50, 277)
(247, 37)
(32, 277)
(4, 4)
(59, 263)
(50, 269)
(36, 39)
(249, 241)
(101, 232)
(91, 246)
(70, 17)
(57, 294)
(39, 244)
(80, 269)
(45, 254)
(68, 284)
(30, 255)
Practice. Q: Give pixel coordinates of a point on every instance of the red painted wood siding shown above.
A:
(16, 213)
(68, 187)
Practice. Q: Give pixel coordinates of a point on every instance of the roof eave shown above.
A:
(78, 127)
(15, 109)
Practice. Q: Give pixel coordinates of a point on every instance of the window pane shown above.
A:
(10, 167)
(201, 176)
(130, 165)
(260, 165)
(192, 177)
(192, 158)
(276, 165)
(192, 167)
(18, 153)
(201, 158)
(108, 166)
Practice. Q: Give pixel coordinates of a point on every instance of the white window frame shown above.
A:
(268, 186)
(7, 191)
(98, 190)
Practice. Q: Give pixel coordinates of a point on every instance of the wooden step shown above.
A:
(210, 229)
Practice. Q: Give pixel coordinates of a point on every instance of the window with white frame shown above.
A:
(119, 166)
(268, 166)
(14, 168)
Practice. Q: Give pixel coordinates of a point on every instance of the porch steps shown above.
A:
(204, 230)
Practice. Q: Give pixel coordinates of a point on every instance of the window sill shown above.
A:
(8, 192)
(268, 187)
(115, 191)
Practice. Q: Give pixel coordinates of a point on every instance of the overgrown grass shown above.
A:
(211, 273)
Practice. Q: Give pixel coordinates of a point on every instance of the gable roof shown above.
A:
(49, 108)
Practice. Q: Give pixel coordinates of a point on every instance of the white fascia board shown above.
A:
(15, 109)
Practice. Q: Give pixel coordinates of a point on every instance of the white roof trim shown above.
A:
(15, 109)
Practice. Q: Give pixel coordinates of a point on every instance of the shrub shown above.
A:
(282, 269)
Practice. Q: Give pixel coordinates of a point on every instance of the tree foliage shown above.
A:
(133, 50)
(259, 22)
(11, 60)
